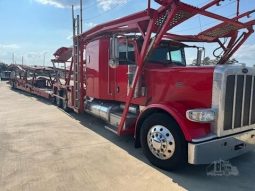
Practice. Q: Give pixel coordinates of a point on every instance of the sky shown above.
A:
(35, 29)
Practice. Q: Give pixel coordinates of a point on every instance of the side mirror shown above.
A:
(114, 53)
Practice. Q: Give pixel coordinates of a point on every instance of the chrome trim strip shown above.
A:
(111, 129)
(244, 91)
(202, 139)
(251, 100)
(221, 74)
(223, 148)
(234, 104)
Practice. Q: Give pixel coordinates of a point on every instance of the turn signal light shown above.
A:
(201, 115)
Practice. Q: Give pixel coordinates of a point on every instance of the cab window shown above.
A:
(176, 56)
(168, 55)
(126, 52)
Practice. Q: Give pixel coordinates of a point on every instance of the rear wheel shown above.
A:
(53, 100)
(65, 103)
(13, 84)
(163, 142)
(58, 99)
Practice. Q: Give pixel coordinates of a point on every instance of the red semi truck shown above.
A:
(132, 73)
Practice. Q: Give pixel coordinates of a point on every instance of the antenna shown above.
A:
(13, 58)
(78, 24)
(238, 7)
(73, 21)
(81, 14)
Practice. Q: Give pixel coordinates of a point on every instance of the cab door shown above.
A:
(125, 58)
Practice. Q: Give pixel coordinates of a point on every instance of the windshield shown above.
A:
(168, 55)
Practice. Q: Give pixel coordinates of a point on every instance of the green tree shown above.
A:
(3, 66)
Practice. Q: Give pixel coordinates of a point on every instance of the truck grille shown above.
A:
(239, 106)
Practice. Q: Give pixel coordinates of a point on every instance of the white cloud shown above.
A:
(86, 27)
(89, 25)
(9, 46)
(69, 37)
(103, 4)
(59, 3)
(246, 52)
(33, 55)
(108, 4)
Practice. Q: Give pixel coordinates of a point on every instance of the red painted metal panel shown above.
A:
(101, 79)
(25, 86)
(191, 86)
(178, 89)
(121, 83)
(92, 68)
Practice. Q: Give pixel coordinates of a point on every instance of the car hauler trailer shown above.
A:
(131, 72)
(33, 79)
(5, 75)
(64, 78)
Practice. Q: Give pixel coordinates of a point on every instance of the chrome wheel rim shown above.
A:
(161, 142)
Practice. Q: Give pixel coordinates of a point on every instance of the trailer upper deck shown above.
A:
(174, 12)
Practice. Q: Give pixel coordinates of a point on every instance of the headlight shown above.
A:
(201, 115)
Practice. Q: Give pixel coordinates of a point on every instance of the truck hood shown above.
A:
(190, 85)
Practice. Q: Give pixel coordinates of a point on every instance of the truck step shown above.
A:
(111, 128)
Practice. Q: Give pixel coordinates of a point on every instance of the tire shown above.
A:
(163, 142)
(13, 85)
(58, 100)
(53, 100)
(65, 103)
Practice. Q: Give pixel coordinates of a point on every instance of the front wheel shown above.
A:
(163, 142)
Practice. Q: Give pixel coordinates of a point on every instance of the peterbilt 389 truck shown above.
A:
(132, 73)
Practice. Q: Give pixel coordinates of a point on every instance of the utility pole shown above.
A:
(44, 58)
(22, 60)
(81, 14)
(13, 58)
(73, 19)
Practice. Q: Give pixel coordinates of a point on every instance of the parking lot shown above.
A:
(43, 148)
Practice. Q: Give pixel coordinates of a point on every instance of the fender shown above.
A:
(177, 111)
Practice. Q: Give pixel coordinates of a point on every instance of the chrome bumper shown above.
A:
(222, 148)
